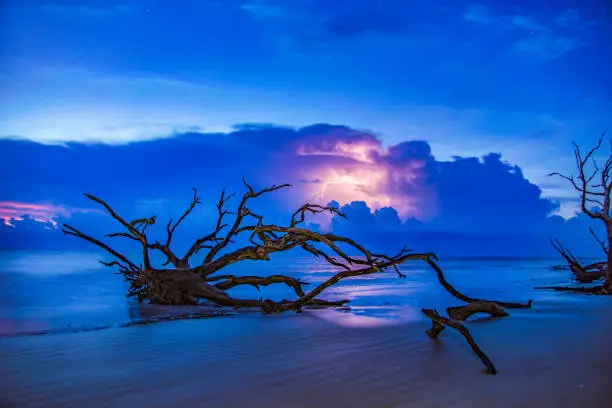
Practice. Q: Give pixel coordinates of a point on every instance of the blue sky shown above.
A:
(520, 78)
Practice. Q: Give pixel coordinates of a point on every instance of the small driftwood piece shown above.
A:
(439, 323)
(583, 274)
(463, 312)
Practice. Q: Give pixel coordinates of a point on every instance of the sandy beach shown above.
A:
(555, 354)
(546, 359)
(306, 204)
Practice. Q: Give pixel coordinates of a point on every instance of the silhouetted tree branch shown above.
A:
(594, 185)
(438, 325)
(188, 283)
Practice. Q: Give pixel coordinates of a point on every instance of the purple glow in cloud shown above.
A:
(46, 213)
(346, 165)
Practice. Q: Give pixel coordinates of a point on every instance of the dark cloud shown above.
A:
(383, 231)
(475, 194)
(392, 195)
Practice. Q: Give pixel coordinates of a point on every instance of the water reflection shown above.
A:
(71, 291)
(372, 316)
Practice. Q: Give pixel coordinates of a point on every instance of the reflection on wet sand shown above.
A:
(373, 354)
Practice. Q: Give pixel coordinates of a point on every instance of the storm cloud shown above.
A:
(392, 194)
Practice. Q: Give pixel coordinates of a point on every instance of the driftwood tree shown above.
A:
(182, 281)
(593, 182)
(582, 273)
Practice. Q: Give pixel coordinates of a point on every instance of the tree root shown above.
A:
(438, 325)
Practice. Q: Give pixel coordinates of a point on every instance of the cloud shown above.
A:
(351, 165)
(382, 230)
(540, 39)
(10, 212)
(392, 194)
(104, 10)
(476, 193)
(323, 161)
(87, 131)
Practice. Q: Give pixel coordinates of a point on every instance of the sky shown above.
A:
(393, 104)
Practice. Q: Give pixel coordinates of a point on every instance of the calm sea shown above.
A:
(59, 291)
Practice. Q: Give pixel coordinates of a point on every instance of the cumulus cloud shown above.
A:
(46, 214)
(392, 194)
(323, 161)
(346, 165)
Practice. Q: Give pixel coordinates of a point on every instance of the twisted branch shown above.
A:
(193, 283)
(438, 325)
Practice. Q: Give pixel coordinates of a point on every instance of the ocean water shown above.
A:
(375, 355)
(61, 291)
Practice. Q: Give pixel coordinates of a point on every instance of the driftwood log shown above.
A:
(180, 281)
(185, 284)
(440, 322)
(463, 312)
(583, 274)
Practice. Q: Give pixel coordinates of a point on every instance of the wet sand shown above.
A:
(555, 355)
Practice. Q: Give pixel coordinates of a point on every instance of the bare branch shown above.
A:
(241, 212)
(131, 227)
(68, 230)
(299, 216)
(601, 243)
(188, 284)
(200, 243)
(439, 322)
(582, 183)
(258, 281)
(171, 228)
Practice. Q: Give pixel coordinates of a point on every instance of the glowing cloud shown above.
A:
(46, 213)
(347, 165)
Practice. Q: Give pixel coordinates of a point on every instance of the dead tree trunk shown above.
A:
(186, 284)
(608, 281)
(594, 185)
(583, 274)
(183, 284)
(440, 322)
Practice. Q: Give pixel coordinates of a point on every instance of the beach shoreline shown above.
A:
(547, 357)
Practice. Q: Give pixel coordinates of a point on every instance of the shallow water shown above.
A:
(57, 291)
(375, 355)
